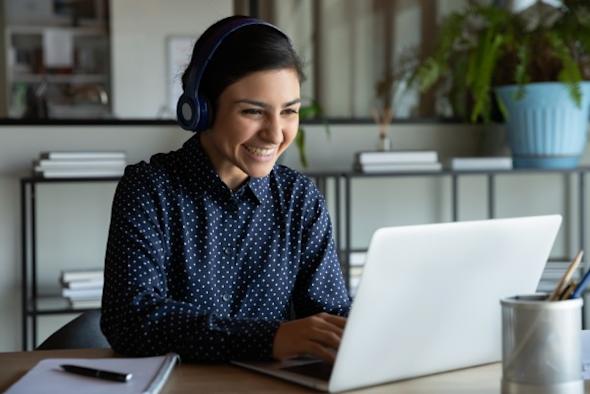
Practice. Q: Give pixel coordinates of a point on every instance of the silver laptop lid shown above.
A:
(428, 300)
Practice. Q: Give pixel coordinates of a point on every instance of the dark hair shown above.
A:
(249, 49)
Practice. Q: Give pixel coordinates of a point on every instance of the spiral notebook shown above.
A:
(149, 374)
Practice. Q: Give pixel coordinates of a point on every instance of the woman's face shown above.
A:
(257, 118)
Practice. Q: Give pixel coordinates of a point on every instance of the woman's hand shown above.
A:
(318, 335)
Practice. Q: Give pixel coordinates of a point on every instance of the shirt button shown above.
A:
(226, 251)
(226, 297)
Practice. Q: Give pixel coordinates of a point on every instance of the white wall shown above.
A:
(73, 219)
(139, 31)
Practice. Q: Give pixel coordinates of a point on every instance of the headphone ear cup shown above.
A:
(187, 112)
(205, 114)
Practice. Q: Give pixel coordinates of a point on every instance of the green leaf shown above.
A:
(300, 142)
(429, 74)
(570, 72)
(502, 107)
(309, 111)
(486, 63)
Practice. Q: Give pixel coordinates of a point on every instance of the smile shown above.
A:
(260, 151)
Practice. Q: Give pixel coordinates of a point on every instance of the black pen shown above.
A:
(97, 373)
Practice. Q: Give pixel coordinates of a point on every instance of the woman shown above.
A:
(213, 246)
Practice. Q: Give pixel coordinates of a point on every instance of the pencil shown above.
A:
(565, 279)
(569, 290)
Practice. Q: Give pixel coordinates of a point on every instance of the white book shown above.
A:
(357, 258)
(118, 169)
(356, 271)
(85, 304)
(480, 163)
(81, 155)
(82, 294)
(83, 173)
(399, 156)
(402, 167)
(78, 275)
(46, 164)
(84, 284)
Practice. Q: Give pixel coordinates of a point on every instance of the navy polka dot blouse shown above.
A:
(194, 268)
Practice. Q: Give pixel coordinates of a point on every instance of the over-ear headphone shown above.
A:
(193, 110)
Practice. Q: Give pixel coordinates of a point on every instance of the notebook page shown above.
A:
(47, 376)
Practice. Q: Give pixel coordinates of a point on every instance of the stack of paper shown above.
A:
(80, 164)
(83, 289)
(397, 161)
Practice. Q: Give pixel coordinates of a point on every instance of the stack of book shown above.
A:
(397, 161)
(355, 267)
(80, 164)
(82, 288)
(480, 163)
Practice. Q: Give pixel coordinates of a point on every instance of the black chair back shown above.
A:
(82, 332)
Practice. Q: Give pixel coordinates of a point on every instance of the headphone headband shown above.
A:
(192, 108)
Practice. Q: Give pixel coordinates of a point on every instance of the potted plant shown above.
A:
(532, 66)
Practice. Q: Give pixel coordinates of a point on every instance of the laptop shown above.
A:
(429, 301)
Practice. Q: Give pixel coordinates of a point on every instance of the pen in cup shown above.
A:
(569, 290)
(582, 285)
(565, 279)
(97, 373)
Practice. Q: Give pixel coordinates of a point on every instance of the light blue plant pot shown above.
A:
(546, 129)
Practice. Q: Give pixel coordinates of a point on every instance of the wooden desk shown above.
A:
(221, 378)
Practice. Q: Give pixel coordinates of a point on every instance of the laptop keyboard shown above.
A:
(319, 370)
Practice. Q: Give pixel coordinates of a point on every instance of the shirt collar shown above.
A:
(260, 187)
(195, 157)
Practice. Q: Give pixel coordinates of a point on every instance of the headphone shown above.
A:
(193, 110)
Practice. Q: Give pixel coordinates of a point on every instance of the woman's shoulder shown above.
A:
(160, 169)
(294, 182)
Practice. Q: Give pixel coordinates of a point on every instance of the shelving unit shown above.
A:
(454, 176)
(338, 183)
(34, 305)
(80, 88)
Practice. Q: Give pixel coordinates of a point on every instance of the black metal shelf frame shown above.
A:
(454, 176)
(29, 293)
(341, 219)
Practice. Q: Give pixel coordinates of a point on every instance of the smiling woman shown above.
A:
(256, 121)
(216, 252)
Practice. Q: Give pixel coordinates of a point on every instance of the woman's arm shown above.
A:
(138, 315)
(320, 284)
(320, 298)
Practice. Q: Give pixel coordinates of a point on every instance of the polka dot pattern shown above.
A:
(194, 268)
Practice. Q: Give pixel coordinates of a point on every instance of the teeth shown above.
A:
(260, 151)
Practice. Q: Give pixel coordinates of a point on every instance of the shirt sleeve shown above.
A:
(320, 284)
(139, 316)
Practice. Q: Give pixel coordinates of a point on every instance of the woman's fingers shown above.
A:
(323, 322)
(318, 335)
(338, 321)
(322, 352)
(326, 338)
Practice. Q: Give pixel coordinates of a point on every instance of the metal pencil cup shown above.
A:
(541, 349)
